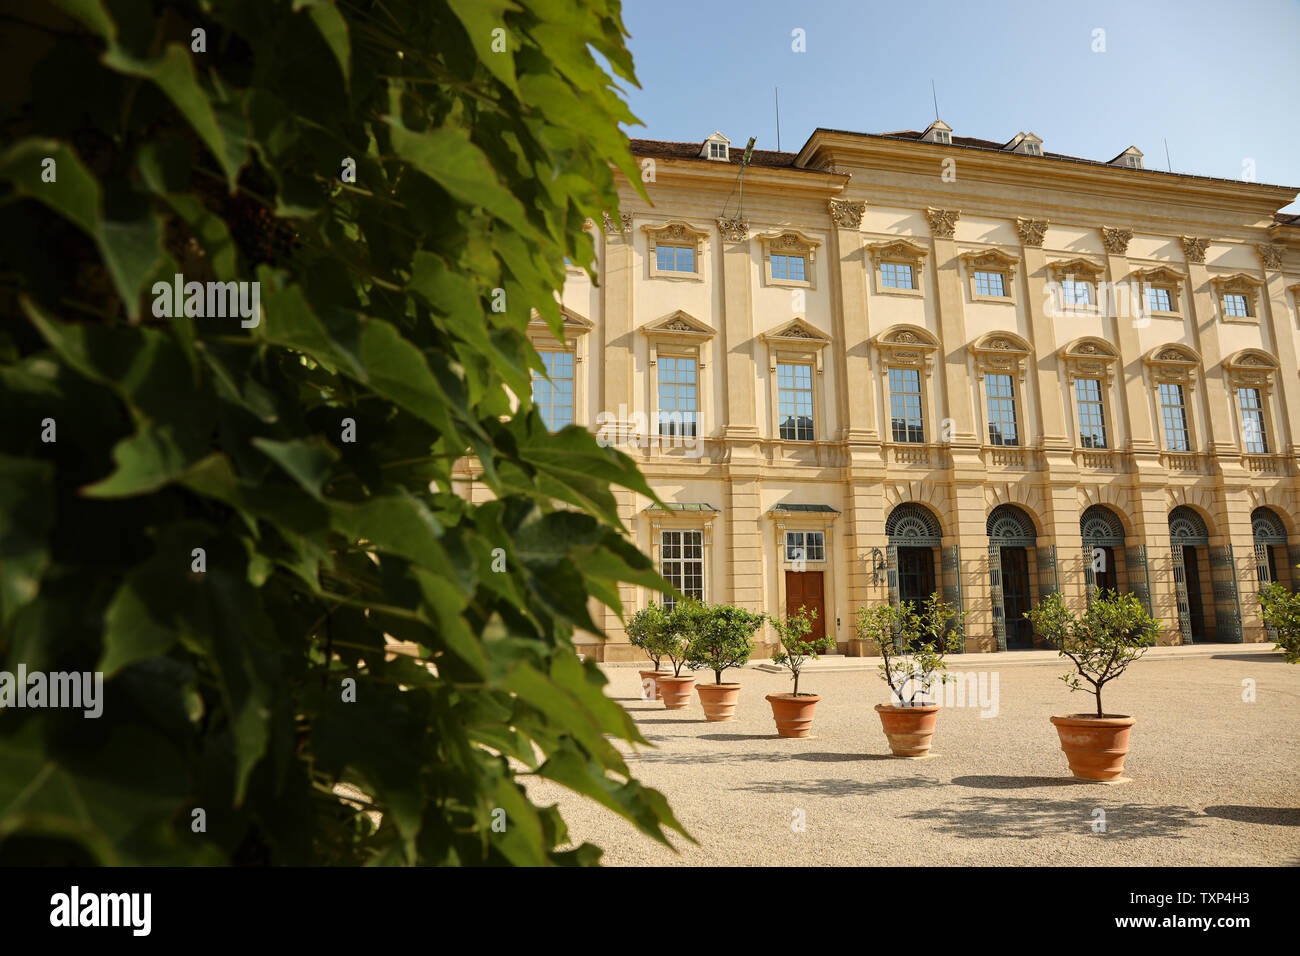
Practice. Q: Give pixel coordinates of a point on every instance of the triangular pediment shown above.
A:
(574, 324)
(679, 324)
(797, 331)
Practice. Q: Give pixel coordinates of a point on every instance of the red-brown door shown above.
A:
(804, 589)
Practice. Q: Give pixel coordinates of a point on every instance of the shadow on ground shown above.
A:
(1277, 816)
(1024, 818)
(839, 787)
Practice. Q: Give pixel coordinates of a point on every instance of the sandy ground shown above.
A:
(1215, 780)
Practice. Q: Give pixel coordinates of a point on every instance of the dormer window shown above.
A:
(1131, 158)
(717, 147)
(1027, 144)
(938, 132)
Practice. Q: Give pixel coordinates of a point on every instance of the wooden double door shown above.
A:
(807, 589)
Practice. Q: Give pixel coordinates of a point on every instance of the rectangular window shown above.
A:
(788, 267)
(682, 563)
(1075, 292)
(554, 398)
(805, 545)
(1159, 300)
(795, 401)
(896, 275)
(1173, 413)
(677, 401)
(1252, 421)
(905, 405)
(1092, 418)
(675, 258)
(1002, 410)
(1235, 306)
(990, 283)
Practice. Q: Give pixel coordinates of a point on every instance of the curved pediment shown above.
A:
(1078, 266)
(1007, 342)
(907, 336)
(1173, 354)
(1091, 348)
(994, 259)
(898, 249)
(1251, 359)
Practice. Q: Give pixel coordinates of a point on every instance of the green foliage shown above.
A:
(721, 636)
(646, 629)
(793, 647)
(674, 638)
(475, 172)
(913, 646)
(1114, 632)
(1280, 610)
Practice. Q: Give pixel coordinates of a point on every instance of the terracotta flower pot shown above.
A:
(718, 700)
(654, 676)
(793, 715)
(676, 691)
(909, 729)
(1095, 746)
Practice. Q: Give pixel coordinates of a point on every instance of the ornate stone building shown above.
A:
(895, 364)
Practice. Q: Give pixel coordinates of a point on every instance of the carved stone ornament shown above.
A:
(677, 325)
(1116, 240)
(943, 222)
(846, 214)
(1171, 355)
(1271, 256)
(1194, 249)
(613, 228)
(734, 230)
(1032, 231)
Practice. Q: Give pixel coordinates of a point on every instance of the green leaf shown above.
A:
(26, 515)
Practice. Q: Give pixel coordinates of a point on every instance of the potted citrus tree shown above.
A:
(673, 642)
(645, 631)
(793, 712)
(912, 648)
(720, 637)
(1114, 632)
(1280, 610)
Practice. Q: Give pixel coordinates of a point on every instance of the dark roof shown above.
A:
(667, 150)
(683, 506)
(1287, 218)
(809, 509)
(969, 142)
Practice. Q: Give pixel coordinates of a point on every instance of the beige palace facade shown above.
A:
(892, 364)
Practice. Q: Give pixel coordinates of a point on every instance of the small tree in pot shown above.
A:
(720, 637)
(793, 712)
(645, 631)
(674, 643)
(912, 649)
(1115, 631)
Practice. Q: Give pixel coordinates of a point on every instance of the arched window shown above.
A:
(910, 524)
(1187, 527)
(1267, 527)
(1100, 526)
(1103, 534)
(1009, 525)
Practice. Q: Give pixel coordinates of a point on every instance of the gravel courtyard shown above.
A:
(1215, 780)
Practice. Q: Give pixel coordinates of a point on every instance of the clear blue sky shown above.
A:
(1220, 80)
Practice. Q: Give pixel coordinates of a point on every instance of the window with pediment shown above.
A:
(1075, 284)
(991, 275)
(675, 250)
(788, 259)
(896, 267)
(1238, 297)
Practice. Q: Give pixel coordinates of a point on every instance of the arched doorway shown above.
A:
(1189, 540)
(914, 537)
(1103, 548)
(1272, 560)
(1011, 539)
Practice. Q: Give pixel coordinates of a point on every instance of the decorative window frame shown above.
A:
(902, 252)
(1079, 269)
(790, 242)
(1253, 368)
(1002, 353)
(908, 346)
(1177, 364)
(1162, 277)
(991, 260)
(797, 343)
(576, 328)
(1239, 283)
(1091, 357)
(680, 335)
(660, 521)
(674, 232)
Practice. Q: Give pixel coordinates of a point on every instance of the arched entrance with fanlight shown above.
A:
(1273, 560)
(914, 539)
(1189, 541)
(1103, 549)
(1013, 541)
